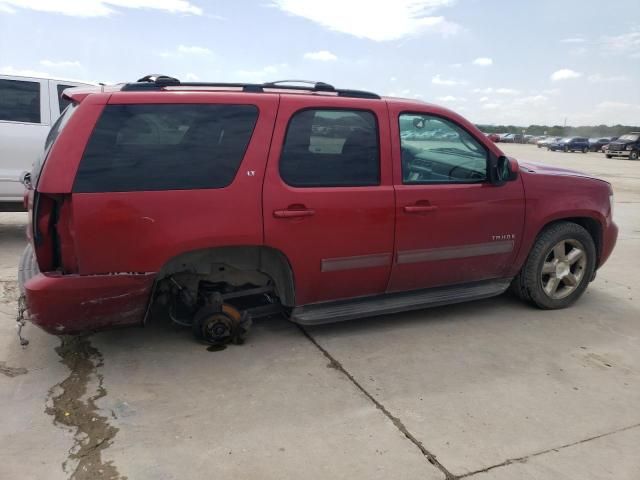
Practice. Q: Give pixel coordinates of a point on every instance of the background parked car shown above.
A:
(494, 137)
(28, 107)
(545, 141)
(596, 144)
(570, 144)
(627, 145)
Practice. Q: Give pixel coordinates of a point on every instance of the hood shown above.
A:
(539, 168)
(621, 142)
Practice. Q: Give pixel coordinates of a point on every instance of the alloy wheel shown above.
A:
(563, 269)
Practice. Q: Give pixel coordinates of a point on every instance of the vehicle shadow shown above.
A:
(160, 333)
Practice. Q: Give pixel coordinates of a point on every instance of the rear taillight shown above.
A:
(52, 235)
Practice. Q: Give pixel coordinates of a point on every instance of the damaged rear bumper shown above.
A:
(74, 304)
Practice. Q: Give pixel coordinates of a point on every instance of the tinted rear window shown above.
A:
(165, 147)
(20, 101)
(331, 148)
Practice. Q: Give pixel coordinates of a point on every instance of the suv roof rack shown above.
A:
(158, 82)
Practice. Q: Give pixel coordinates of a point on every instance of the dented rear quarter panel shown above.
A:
(73, 304)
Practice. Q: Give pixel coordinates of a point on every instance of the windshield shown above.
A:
(51, 138)
(633, 138)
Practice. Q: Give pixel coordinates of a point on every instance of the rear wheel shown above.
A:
(609, 156)
(585, 150)
(559, 267)
(566, 149)
(633, 155)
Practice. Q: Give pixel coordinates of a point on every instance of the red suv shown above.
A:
(219, 203)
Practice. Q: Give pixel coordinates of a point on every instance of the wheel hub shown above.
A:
(562, 269)
(217, 329)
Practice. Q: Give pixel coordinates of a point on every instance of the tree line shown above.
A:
(560, 131)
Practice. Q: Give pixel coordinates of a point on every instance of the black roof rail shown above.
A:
(158, 81)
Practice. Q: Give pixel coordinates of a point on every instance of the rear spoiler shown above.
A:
(78, 94)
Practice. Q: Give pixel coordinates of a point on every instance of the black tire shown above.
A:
(633, 155)
(609, 156)
(585, 150)
(528, 283)
(566, 149)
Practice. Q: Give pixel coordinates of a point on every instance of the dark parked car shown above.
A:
(596, 144)
(570, 144)
(627, 145)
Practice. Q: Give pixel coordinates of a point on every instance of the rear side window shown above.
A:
(63, 102)
(20, 101)
(56, 128)
(165, 147)
(331, 148)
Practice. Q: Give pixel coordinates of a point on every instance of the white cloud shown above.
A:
(501, 91)
(564, 74)
(531, 100)
(9, 70)
(99, 8)
(60, 64)
(193, 50)
(321, 55)
(374, 20)
(618, 112)
(483, 99)
(6, 9)
(491, 106)
(182, 50)
(624, 44)
(608, 105)
(483, 61)
(438, 80)
(599, 78)
(405, 93)
(191, 77)
(451, 98)
(507, 91)
(264, 74)
(573, 40)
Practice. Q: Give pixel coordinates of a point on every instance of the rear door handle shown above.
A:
(419, 208)
(294, 212)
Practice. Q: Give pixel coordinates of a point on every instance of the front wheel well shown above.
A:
(589, 224)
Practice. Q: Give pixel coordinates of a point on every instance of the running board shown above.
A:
(316, 314)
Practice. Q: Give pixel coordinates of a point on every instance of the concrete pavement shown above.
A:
(487, 390)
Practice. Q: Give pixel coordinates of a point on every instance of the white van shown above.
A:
(28, 107)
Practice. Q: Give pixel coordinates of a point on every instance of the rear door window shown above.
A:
(165, 147)
(20, 101)
(331, 148)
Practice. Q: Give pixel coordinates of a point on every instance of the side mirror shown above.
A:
(502, 170)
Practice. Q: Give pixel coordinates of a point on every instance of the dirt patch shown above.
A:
(8, 291)
(12, 371)
(73, 406)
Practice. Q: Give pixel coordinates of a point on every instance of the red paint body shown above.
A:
(107, 236)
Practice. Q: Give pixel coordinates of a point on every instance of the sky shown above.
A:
(493, 61)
